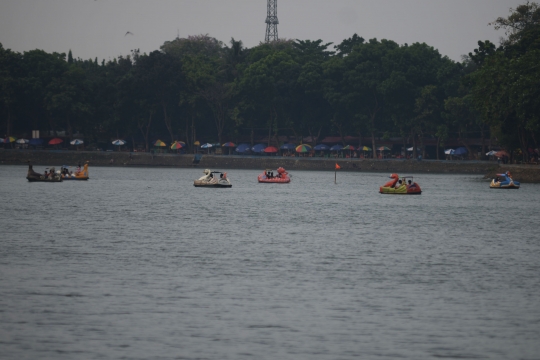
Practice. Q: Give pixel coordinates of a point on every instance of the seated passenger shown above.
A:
(399, 183)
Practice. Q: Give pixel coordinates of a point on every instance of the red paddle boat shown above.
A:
(281, 176)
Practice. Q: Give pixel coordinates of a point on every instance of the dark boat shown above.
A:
(33, 176)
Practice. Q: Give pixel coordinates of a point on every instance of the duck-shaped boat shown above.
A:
(282, 176)
(48, 176)
(78, 175)
(403, 186)
(504, 181)
(213, 179)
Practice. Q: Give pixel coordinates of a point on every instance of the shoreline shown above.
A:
(487, 169)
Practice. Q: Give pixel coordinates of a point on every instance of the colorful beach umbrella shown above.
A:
(349, 147)
(118, 142)
(9, 139)
(55, 141)
(383, 148)
(501, 153)
(271, 149)
(177, 145)
(159, 143)
(303, 148)
(76, 142)
(22, 141)
(197, 143)
(366, 148)
(229, 144)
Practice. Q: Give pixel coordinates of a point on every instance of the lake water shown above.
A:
(136, 263)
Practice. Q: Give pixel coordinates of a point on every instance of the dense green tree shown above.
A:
(505, 88)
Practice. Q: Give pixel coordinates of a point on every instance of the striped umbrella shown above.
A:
(159, 143)
(303, 148)
(9, 139)
(229, 144)
(366, 148)
(177, 145)
(349, 147)
(383, 148)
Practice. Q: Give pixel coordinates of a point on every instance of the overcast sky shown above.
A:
(97, 28)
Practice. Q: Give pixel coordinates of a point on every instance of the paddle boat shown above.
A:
(504, 181)
(403, 186)
(281, 177)
(213, 179)
(48, 176)
(78, 175)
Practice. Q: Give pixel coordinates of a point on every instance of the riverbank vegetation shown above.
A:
(199, 88)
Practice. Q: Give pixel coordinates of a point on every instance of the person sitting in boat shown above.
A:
(398, 184)
(410, 182)
(221, 176)
(496, 179)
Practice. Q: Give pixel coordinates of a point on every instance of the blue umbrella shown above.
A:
(460, 151)
(242, 148)
(287, 147)
(336, 147)
(259, 148)
(36, 142)
(321, 147)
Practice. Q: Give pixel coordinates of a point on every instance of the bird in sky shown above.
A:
(128, 33)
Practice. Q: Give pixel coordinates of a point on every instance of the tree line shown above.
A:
(200, 88)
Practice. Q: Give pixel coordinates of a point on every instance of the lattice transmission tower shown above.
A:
(271, 22)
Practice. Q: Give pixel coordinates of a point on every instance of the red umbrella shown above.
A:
(55, 141)
(501, 153)
(271, 149)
